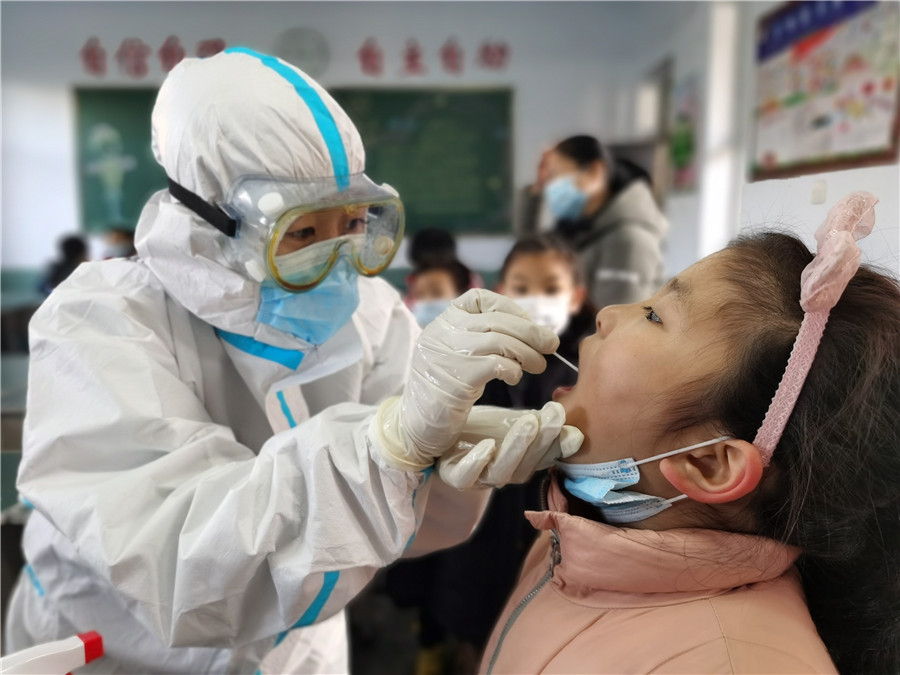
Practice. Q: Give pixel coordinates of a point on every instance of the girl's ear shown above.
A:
(715, 474)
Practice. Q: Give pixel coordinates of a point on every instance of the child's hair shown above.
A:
(459, 273)
(543, 243)
(583, 150)
(431, 246)
(833, 487)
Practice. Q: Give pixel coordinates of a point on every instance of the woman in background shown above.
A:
(604, 207)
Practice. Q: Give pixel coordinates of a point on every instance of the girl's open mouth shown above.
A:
(560, 392)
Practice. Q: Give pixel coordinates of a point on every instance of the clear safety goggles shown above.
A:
(293, 232)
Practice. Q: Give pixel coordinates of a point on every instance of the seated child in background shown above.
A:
(433, 285)
(758, 534)
(541, 273)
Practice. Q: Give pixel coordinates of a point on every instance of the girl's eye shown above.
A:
(651, 315)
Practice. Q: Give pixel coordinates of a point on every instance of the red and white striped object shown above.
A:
(54, 658)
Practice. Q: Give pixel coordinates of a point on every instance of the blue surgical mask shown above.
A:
(564, 198)
(317, 314)
(601, 485)
(427, 311)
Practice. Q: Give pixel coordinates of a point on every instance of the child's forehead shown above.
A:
(433, 276)
(529, 263)
(703, 284)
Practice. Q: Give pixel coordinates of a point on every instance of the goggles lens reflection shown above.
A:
(305, 243)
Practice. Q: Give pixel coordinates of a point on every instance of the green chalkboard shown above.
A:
(116, 169)
(447, 152)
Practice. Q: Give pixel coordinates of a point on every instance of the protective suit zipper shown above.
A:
(555, 558)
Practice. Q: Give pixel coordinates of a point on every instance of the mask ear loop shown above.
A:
(821, 285)
(681, 450)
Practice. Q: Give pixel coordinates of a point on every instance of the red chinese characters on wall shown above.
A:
(371, 58)
(493, 55)
(171, 53)
(93, 57)
(412, 59)
(452, 57)
(132, 57)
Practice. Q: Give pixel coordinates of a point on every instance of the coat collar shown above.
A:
(630, 567)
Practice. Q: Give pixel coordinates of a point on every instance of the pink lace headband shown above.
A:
(821, 285)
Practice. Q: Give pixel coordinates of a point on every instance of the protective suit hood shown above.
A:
(216, 119)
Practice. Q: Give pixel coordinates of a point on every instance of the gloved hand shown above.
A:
(500, 446)
(481, 336)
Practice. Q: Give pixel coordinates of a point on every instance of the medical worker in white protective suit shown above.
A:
(212, 476)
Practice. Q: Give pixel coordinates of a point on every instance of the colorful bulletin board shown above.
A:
(826, 87)
(684, 143)
(448, 153)
(117, 172)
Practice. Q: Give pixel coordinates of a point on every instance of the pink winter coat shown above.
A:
(620, 600)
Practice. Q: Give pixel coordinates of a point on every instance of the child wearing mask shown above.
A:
(542, 275)
(735, 505)
(433, 285)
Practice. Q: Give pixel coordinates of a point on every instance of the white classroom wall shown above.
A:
(563, 64)
(574, 67)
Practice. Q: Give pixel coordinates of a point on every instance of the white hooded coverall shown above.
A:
(203, 483)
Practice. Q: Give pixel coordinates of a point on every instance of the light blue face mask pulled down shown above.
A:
(317, 314)
(564, 199)
(427, 311)
(601, 485)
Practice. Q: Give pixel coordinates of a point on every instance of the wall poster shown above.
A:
(826, 87)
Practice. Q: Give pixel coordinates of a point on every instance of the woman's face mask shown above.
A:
(564, 199)
(317, 314)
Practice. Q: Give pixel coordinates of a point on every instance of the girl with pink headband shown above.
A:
(735, 506)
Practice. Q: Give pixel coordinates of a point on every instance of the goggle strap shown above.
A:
(211, 214)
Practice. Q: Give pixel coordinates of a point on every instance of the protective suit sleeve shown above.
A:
(217, 545)
(451, 515)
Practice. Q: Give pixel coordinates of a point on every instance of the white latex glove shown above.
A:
(481, 336)
(500, 446)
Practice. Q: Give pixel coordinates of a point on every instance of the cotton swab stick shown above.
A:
(572, 366)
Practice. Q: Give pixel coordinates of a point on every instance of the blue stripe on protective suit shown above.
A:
(427, 472)
(290, 358)
(321, 114)
(285, 409)
(329, 581)
(39, 589)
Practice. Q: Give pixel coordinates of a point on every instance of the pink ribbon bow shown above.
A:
(821, 285)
